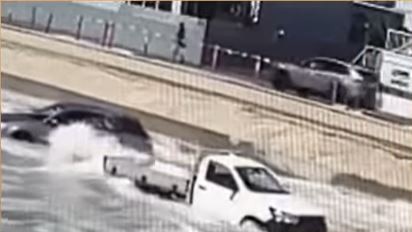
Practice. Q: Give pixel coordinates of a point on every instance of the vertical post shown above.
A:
(112, 31)
(79, 27)
(33, 16)
(105, 30)
(146, 45)
(145, 41)
(177, 7)
(215, 56)
(334, 92)
(49, 22)
(258, 65)
(157, 3)
(10, 17)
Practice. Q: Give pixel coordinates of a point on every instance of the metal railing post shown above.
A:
(146, 41)
(111, 35)
(10, 17)
(258, 65)
(79, 27)
(49, 22)
(33, 17)
(105, 31)
(334, 93)
(215, 56)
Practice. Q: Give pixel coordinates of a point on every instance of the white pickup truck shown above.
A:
(227, 186)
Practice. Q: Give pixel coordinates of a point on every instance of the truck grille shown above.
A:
(306, 224)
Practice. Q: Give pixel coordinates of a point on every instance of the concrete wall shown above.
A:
(131, 25)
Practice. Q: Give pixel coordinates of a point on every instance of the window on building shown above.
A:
(165, 6)
(158, 5)
(245, 12)
(138, 3)
(150, 4)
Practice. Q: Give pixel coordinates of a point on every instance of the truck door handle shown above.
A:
(202, 187)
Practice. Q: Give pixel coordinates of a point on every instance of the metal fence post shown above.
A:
(111, 35)
(334, 93)
(146, 45)
(105, 31)
(49, 22)
(79, 27)
(33, 17)
(258, 65)
(10, 17)
(215, 56)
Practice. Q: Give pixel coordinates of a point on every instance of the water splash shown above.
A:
(80, 147)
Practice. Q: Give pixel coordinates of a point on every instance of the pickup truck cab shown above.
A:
(234, 189)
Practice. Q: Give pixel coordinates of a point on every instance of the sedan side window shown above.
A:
(74, 116)
(220, 175)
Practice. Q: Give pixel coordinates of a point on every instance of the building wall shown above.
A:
(311, 29)
(406, 6)
(131, 23)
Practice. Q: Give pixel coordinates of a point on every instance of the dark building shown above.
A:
(292, 31)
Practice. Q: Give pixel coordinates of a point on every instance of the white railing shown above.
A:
(396, 39)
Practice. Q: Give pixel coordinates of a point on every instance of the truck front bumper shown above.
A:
(306, 224)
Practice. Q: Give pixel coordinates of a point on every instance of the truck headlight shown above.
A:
(283, 217)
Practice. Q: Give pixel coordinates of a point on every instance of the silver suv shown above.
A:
(330, 78)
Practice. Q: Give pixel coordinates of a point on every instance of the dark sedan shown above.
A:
(35, 126)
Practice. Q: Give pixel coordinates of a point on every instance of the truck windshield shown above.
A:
(259, 180)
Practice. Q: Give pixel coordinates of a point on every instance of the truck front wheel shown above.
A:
(251, 225)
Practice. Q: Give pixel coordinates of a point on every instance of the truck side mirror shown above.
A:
(235, 191)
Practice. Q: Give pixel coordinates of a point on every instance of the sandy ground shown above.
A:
(297, 146)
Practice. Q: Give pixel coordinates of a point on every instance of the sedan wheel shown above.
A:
(281, 83)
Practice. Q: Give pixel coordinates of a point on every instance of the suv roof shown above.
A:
(332, 60)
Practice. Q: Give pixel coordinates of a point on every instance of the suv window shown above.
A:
(220, 175)
(334, 67)
(325, 65)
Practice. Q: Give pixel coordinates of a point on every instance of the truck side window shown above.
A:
(220, 175)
